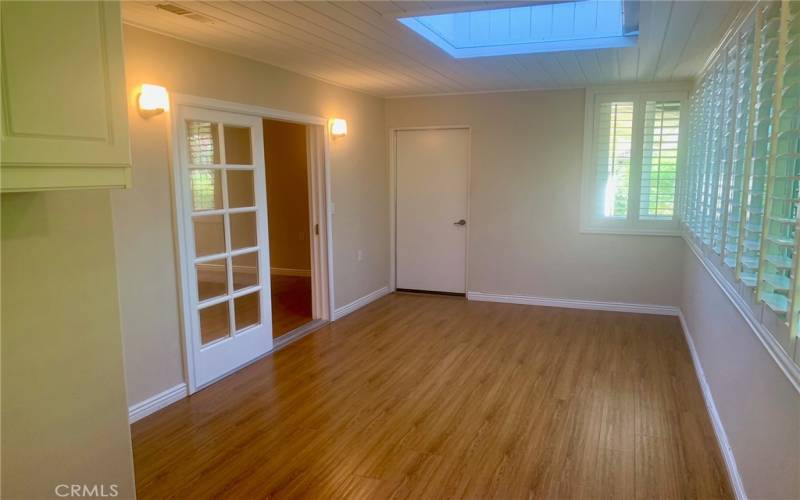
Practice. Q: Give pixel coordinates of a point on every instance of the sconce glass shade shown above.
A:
(153, 100)
(338, 127)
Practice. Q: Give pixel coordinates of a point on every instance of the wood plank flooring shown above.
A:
(291, 303)
(437, 397)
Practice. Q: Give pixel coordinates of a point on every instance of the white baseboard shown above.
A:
(575, 304)
(285, 271)
(155, 403)
(343, 311)
(716, 421)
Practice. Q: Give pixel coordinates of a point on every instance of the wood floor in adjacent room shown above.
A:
(432, 397)
(291, 303)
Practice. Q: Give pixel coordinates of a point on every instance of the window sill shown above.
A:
(621, 231)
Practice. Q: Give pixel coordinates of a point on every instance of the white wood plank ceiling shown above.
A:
(361, 45)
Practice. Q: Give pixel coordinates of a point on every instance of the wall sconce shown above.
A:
(338, 127)
(153, 100)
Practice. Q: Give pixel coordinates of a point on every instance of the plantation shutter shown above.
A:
(692, 206)
(724, 134)
(761, 143)
(778, 243)
(740, 167)
(745, 207)
(752, 88)
(659, 159)
(633, 162)
(613, 142)
(710, 163)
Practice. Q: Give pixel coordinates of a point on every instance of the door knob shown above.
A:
(462, 222)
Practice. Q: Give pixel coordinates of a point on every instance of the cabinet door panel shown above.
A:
(63, 99)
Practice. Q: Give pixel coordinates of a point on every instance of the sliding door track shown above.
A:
(297, 334)
(431, 292)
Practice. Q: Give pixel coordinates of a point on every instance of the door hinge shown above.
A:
(316, 229)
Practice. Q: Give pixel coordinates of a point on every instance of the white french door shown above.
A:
(225, 249)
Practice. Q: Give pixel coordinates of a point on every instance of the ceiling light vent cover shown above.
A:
(180, 11)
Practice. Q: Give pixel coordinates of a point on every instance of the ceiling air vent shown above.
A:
(180, 11)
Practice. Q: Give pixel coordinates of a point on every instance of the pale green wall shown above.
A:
(64, 411)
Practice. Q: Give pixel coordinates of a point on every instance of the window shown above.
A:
(614, 131)
(632, 159)
(660, 159)
(558, 26)
(741, 191)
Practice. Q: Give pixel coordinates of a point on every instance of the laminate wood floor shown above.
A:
(436, 397)
(291, 303)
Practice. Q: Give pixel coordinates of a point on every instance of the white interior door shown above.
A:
(431, 182)
(226, 251)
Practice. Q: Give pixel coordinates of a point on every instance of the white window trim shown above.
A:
(591, 223)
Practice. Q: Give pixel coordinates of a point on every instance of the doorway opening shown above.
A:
(290, 228)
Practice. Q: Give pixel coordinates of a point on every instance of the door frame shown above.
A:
(320, 204)
(393, 197)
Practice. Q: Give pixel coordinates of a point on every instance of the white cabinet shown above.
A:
(64, 116)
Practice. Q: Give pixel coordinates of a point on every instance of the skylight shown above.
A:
(563, 26)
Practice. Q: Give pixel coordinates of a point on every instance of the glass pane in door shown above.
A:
(247, 310)
(240, 189)
(212, 279)
(243, 230)
(245, 270)
(206, 186)
(203, 144)
(209, 235)
(214, 323)
(238, 149)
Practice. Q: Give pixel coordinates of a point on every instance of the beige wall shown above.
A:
(287, 195)
(143, 217)
(758, 406)
(64, 417)
(524, 239)
(524, 199)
